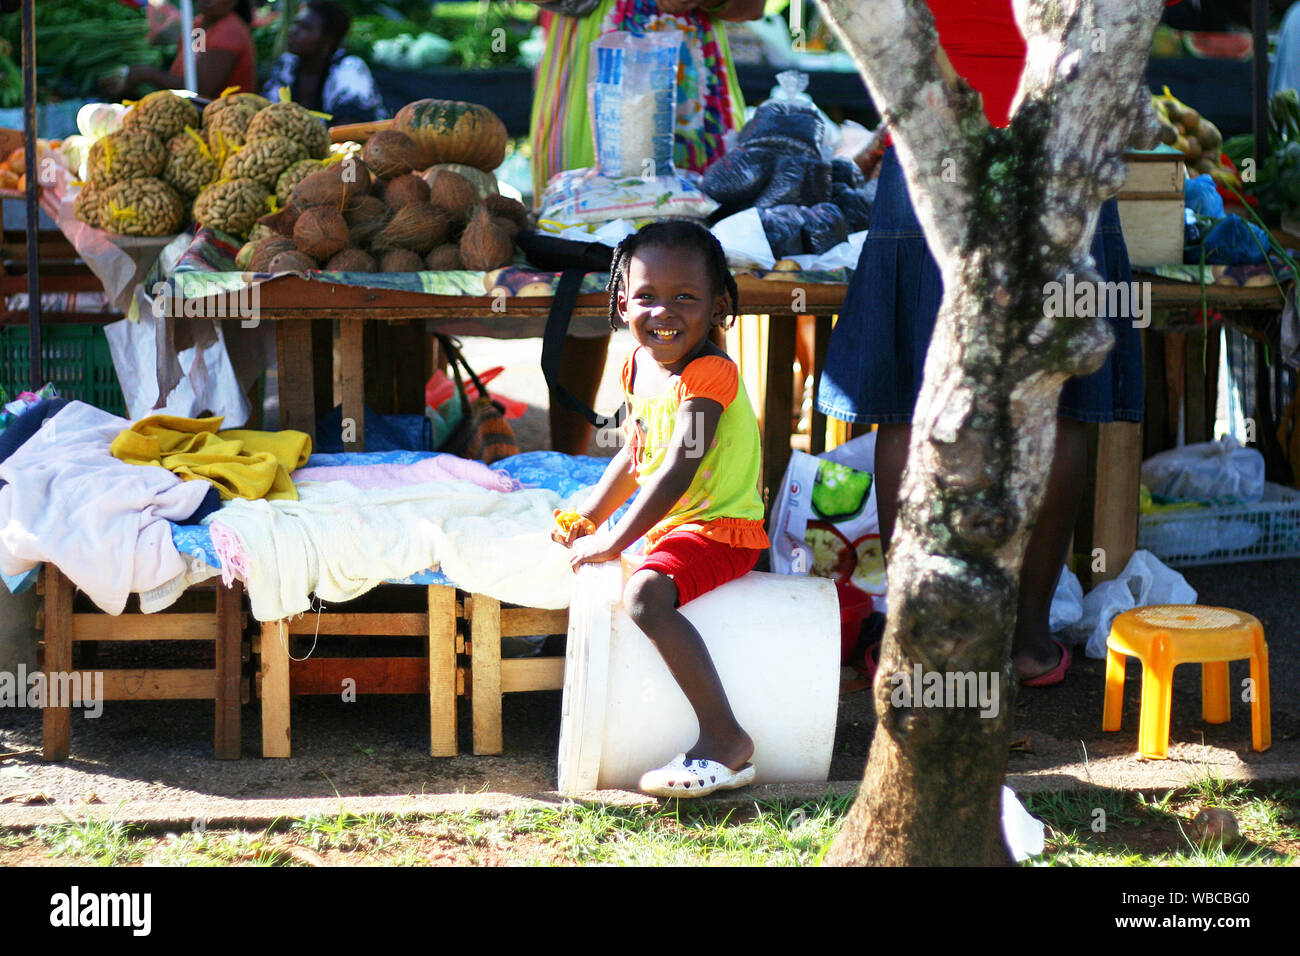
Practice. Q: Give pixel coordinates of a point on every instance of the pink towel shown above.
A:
(439, 468)
(234, 563)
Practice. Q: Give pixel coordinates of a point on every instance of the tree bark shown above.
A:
(1005, 212)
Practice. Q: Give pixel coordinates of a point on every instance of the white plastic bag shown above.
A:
(791, 86)
(1145, 580)
(1067, 602)
(1213, 471)
(744, 241)
(1025, 835)
(632, 100)
(825, 523)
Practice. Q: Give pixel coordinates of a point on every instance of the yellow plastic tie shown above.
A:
(284, 95)
(120, 213)
(227, 91)
(274, 202)
(203, 147)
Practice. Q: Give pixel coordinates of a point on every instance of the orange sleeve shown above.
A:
(712, 377)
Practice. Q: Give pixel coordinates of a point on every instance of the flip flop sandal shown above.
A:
(1054, 676)
(690, 777)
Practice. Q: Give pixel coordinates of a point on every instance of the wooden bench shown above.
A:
(62, 627)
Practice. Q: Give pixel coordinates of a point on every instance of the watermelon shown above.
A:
(449, 131)
(1220, 46)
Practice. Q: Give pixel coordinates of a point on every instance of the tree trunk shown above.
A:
(1006, 212)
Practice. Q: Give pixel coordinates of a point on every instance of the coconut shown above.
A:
(445, 257)
(292, 261)
(365, 216)
(351, 259)
(509, 208)
(390, 153)
(320, 232)
(405, 190)
(401, 260)
(484, 245)
(335, 185)
(268, 249)
(454, 193)
(417, 226)
(282, 222)
(508, 226)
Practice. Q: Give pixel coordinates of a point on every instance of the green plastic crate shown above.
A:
(75, 358)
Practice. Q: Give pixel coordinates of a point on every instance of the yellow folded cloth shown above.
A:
(241, 463)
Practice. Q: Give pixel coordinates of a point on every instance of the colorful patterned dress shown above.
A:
(708, 93)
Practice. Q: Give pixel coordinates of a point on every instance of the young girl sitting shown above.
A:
(692, 447)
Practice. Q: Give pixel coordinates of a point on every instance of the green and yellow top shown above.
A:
(723, 501)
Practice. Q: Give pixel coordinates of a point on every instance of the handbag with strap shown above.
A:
(483, 433)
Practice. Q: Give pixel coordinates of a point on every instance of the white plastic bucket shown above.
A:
(775, 640)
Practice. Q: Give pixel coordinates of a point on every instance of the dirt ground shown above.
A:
(143, 759)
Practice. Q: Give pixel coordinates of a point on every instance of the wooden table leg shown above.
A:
(821, 344)
(1115, 505)
(485, 664)
(352, 375)
(295, 375)
(442, 670)
(275, 690)
(778, 402)
(57, 721)
(227, 739)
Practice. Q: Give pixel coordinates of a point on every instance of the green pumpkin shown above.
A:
(448, 131)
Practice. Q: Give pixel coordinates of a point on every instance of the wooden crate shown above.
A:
(1151, 208)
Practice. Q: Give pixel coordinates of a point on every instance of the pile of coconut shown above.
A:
(373, 212)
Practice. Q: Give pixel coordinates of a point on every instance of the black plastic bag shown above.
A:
(797, 181)
(853, 203)
(846, 171)
(784, 228)
(737, 178)
(823, 227)
(784, 120)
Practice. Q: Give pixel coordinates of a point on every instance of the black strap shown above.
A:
(456, 359)
(557, 327)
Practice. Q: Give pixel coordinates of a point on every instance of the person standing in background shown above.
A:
(708, 106)
(223, 54)
(318, 71)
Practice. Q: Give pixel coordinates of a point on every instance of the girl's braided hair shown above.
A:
(672, 234)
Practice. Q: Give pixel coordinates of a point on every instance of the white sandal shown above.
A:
(693, 777)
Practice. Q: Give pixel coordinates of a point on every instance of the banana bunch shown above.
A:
(1195, 137)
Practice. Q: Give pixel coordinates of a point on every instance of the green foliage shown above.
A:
(77, 42)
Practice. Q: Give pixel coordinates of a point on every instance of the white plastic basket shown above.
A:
(1261, 531)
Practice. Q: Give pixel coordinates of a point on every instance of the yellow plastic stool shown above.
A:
(1163, 636)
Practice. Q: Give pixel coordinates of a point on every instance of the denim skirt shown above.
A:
(876, 357)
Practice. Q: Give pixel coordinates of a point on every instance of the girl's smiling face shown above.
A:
(670, 303)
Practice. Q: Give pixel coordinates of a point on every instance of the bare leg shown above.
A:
(581, 368)
(891, 456)
(1045, 554)
(650, 599)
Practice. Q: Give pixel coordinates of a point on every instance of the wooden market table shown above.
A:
(302, 310)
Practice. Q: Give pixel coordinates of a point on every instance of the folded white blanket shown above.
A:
(340, 541)
(102, 522)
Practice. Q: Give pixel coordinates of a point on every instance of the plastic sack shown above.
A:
(846, 171)
(853, 204)
(1214, 472)
(783, 226)
(632, 100)
(1025, 834)
(1144, 580)
(1234, 242)
(825, 524)
(1067, 602)
(737, 178)
(797, 181)
(792, 88)
(744, 241)
(782, 123)
(1202, 197)
(823, 227)
(583, 196)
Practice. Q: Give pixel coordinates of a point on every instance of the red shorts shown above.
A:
(698, 564)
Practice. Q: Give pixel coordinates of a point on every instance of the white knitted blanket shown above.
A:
(339, 541)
